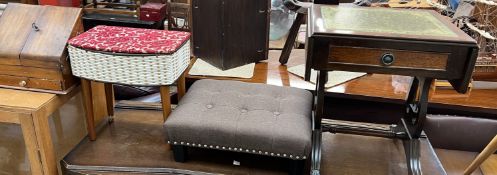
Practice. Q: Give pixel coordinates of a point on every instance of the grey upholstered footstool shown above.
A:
(242, 117)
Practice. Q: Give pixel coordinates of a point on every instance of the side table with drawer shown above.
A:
(414, 43)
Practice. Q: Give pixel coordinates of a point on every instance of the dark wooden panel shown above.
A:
(246, 28)
(230, 33)
(15, 28)
(91, 20)
(207, 30)
(56, 25)
(403, 59)
(457, 63)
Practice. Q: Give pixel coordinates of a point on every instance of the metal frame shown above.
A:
(409, 129)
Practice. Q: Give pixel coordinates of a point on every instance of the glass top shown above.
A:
(386, 21)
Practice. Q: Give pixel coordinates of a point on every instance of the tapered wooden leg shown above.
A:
(166, 101)
(109, 100)
(88, 103)
(181, 86)
(46, 146)
(489, 150)
(28, 132)
(166, 106)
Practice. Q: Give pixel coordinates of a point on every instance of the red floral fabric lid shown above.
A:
(130, 40)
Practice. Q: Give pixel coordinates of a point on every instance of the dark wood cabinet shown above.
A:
(230, 33)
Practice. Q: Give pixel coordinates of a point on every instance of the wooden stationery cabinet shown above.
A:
(230, 33)
(33, 54)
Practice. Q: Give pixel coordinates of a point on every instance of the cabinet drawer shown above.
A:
(388, 58)
(26, 82)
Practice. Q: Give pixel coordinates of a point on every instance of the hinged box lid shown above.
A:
(32, 34)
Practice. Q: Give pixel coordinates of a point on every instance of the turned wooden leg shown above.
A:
(180, 153)
(489, 150)
(88, 103)
(109, 100)
(166, 101)
(181, 86)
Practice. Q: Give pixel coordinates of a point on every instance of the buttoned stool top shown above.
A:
(243, 117)
(131, 56)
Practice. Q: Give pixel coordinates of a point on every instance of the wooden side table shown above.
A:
(363, 40)
(109, 96)
(44, 120)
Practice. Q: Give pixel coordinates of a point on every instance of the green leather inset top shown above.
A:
(382, 20)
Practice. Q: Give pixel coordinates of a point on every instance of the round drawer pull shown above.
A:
(387, 59)
(22, 83)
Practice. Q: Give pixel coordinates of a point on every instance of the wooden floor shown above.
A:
(455, 162)
(135, 142)
(391, 88)
(373, 87)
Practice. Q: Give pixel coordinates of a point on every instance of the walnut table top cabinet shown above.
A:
(33, 54)
(230, 33)
(414, 43)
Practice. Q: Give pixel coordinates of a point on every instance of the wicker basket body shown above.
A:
(132, 69)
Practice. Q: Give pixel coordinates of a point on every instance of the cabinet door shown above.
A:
(207, 33)
(246, 27)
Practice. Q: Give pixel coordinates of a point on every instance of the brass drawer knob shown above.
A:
(22, 83)
(387, 59)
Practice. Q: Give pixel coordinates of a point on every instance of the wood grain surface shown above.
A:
(14, 38)
(55, 25)
(403, 59)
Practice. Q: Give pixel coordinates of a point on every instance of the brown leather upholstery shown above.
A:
(459, 133)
